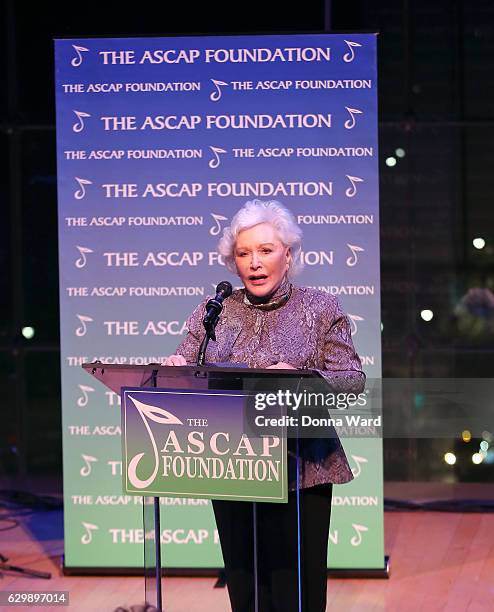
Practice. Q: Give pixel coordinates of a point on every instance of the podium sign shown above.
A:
(193, 444)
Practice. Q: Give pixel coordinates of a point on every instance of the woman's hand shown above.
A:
(174, 360)
(281, 365)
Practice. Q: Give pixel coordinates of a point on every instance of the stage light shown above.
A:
(390, 161)
(400, 152)
(426, 314)
(450, 458)
(28, 332)
(484, 445)
(478, 243)
(466, 435)
(477, 458)
(487, 435)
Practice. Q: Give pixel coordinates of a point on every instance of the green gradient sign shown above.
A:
(193, 444)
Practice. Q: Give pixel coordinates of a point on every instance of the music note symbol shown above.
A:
(83, 400)
(351, 191)
(82, 260)
(156, 414)
(81, 192)
(356, 471)
(79, 126)
(350, 55)
(357, 539)
(77, 61)
(86, 469)
(88, 536)
(215, 161)
(353, 322)
(352, 260)
(216, 229)
(81, 331)
(350, 123)
(216, 95)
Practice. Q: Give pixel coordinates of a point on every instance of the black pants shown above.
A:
(277, 551)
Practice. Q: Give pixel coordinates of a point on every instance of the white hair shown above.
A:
(255, 212)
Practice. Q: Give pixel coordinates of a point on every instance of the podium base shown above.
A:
(212, 572)
(362, 572)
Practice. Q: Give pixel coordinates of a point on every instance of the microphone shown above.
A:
(215, 306)
(213, 311)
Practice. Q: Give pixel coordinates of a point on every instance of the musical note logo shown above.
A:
(350, 54)
(352, 190)
(86, 468)
(77, 60)
(81, 331)
(148, 413)
(357, 470)
(82, 260)
(353, 259)
(214, 162)
(350, 123)
(353, 322)
(216, 229)
(217, 93)
(357, 538)
(81, 192)
(79, 125)
(88, 536)
(83, 400)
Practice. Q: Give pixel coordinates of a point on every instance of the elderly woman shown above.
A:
(271, 323)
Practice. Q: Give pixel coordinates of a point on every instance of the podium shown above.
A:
(168, 414)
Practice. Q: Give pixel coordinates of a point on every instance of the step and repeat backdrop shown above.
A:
(159, 142)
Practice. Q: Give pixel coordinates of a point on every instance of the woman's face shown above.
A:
(261, 258)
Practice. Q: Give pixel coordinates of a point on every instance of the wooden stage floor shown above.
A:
(439, 561)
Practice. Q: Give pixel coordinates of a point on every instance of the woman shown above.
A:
(271, 323)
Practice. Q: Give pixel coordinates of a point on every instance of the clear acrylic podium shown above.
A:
(199, 378)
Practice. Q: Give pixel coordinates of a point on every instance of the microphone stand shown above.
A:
(209, 335)
(6, 567)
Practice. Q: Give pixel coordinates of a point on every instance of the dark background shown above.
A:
(436, 62)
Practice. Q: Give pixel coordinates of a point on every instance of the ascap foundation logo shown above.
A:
(77, 60)
(87, 536)
(86, 469)
(193, 443)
